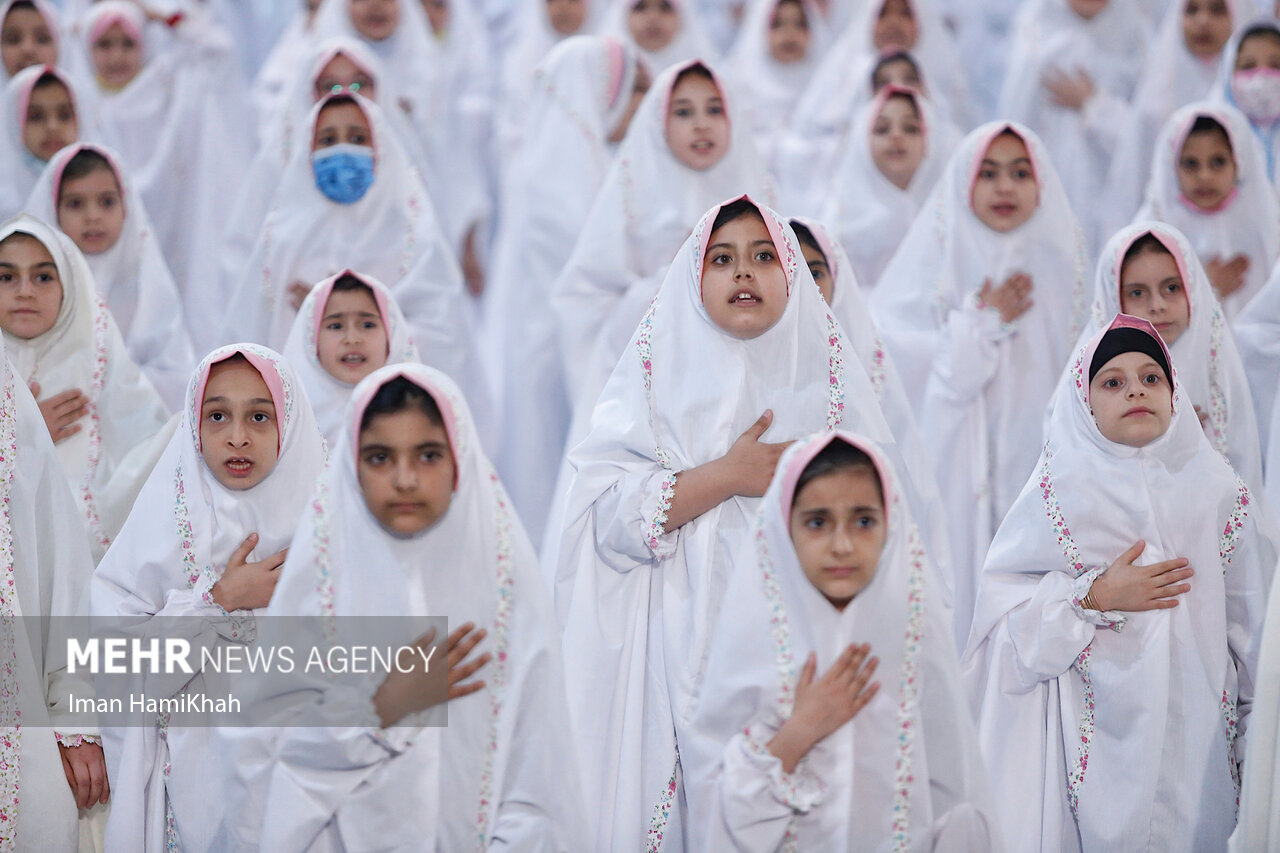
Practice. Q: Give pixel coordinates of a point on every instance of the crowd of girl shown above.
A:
(825, 425)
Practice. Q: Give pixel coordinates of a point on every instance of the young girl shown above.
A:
(1073, 68)
(832, 645)
(1149, 270)
(348, 326)
(83, 189)
(198, 559)
(663, 490)
(979, 309)
(587, 92)
(409, 522)
(663, 32)
(103, 414)
(896, 153)
(28, 35)
(1208, 180)
(1098, 738)
(1249, 78)
(39, 111)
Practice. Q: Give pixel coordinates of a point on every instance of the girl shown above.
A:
(349, 198)
(1209, 181)
(979, 309)
(1149, 270)
(1249, 78)
(588, 89)
(349, 326)
(198, 559)
(895, 155)
(1131, 520)
(84, 190)
(29, 32)
(103, 414)
(796, 743)
(1073, 68)
(663, 489)
(40, 114)
(501, 772)
(663, 32)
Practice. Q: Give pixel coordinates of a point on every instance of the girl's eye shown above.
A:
(683, 112)
(358, 138)
(1135, 293)
(6, 276)
(108, 201)
(715, 110)
(1152, 379)
(74, 204)
(369, 324)
(1218, 162)
(261, 417)
(1022, 174)
(764, 256)
(1190, 164)
(1111, 383)
(432, 456)
(815, 523)
(987, 174)
(44, 277)
(1172, 288)
(721, 258)
(376, 459)
(217, 417)
(866, 522)
(818, 274)
(335, 326)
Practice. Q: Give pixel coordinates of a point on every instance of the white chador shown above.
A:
(1106, 730)
(979, 387)
(904, 774)
(1259, 825)
(133, 278)
(327, 393)
(157, 580)
(690, 41)
(639, 604)
(1205, 355)
(501, 774)
(122, 434)
(1247, 223)
(1258, 337)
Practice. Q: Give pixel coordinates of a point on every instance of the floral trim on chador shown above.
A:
(72, 741)
(1231, 720)
(662, 812)
(10, 736)
(95, 432)
(1235, 523)
(1217, 397)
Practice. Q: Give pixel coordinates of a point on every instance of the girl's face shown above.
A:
(341, 73)
(117, 56)
(744, 288)
(239, 435)
(30, 287)
(897, 141)
(838, 529)
(820, 269)
(1206, 169)
(788, 32)
(653, 23)
(1259, 51)
(51, 121)
(895, 28)
(638, 90)
(566, 16)
(1131, 400)
(375, 19)
(91, 210)
(1005, 194)
(1206, 26)
(1151, 288)
(697, 125)
(406, 470)
(437, 15)
(899, 73)
(1087, 9)
(352, 341)
(25, 40)
(339, 123)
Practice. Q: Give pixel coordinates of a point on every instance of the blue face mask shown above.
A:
(343, 172)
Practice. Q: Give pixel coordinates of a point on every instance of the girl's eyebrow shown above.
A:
(339, 314)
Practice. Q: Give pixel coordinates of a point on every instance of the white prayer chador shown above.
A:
(979, 387)
(771, 89)
(133, 278)
(390, 234)
(1205, 355)
(690, 41)
(580, 94)
(1248, 223)
(21, 167)
(501, 775)
(639, 604)
(648, 204)
(871, 214)
(905, 773)
(1257, 332)
(1099, 738)
(271, 85)
(1172, 76)
(1258, 827)
(329, 395)
(1050, 37)
(107, 461)
(175, 546)
(1223, 88)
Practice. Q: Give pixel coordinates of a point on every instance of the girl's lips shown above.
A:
(1004, 209)
(1138, 411)
(238, 466)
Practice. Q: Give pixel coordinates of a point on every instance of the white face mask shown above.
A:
(1257, 92)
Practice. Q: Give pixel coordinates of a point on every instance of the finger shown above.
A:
(464, 648)
(807, 671)
(460, 690)
(97, 778)
(1161, 604)
(426, 640)
(762, 423)
(864, 698)
(1166, 566)
(82, 783)
(106, 783)
(35, 389)
(66, 769)
(457, 635)
(985, 291)
(1134, 551)
(277, 559)
(1172, 591)
(67, 431)
(465, 671)
(242, 553)
(864, 675)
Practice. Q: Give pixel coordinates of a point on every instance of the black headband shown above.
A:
(1127, 339)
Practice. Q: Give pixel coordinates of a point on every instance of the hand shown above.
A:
(825, 705)
(297, 293)
(1227, 276)
(418, 688)
(86, 770)
(61, 411)
(472, 270)
(1203, 416)
(1072, 91)
(1124, 586)
(750, 462)
(248, 586)
(1012, 299)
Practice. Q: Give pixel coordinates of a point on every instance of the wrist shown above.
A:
(223, 597)
(1096, 598)
(726, 473)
